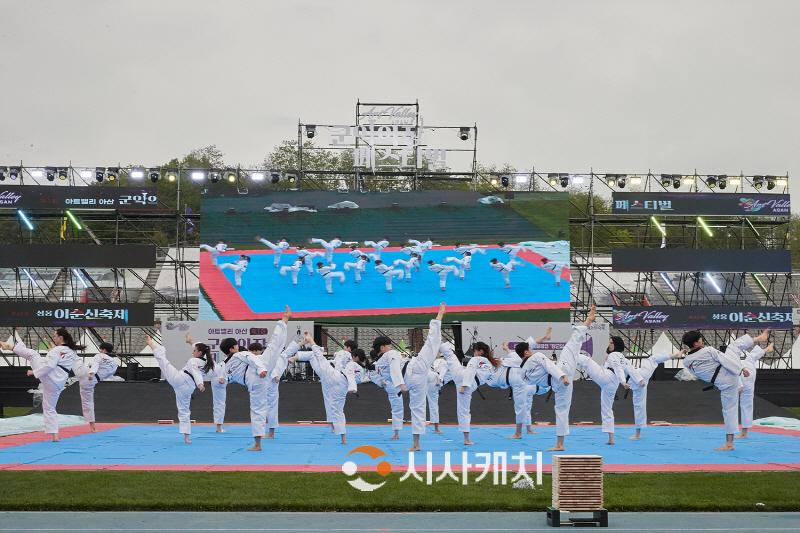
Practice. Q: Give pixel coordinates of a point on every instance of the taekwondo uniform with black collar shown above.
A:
(278, 249)
(408, 265)
(568, 361)
(608, 377)
(103, 367)
(184, 382)
(378, 246)
(52, 371)
(388, 274)
(273, 383)
(239, 268)
(214, 251)
(328, 275)
(388, 375)
(294, 270)
(634, 377)
(438, 377)
(749, 362)
(443, 271)
(359, 266)
(415, 374)
(330, 247)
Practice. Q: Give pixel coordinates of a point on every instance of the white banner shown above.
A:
(495, 334)
(211, 332)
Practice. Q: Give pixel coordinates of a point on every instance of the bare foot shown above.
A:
(187, 439)
(415, 449)
(254, 448)
(395, 437)
(515, 436)
(438, 431)
(92, 427)
(531, 431)
(635, 437)
(56, 438)
(220, 430)
(611, 443)
(741, 436)
(556, 449)
(468, 443)
(724, 448)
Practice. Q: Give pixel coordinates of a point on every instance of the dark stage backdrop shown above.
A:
(691, 260)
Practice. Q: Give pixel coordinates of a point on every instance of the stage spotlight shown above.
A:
(37, 173)
(198, 175)
(213, 176)
(14, 172)
(770, 182)
(275, 177)
(676, 181)
(781, 182)
(171, 177)
(666, 179)
(463, 133)
(611, 179)
(51, 173)
(86, 174)
(504, 181)
(291, 177)
(621, 181)
(520, 179)
(552, 179)
(25, 219)
(578, 180)
(688, 180)
(112, 173)
(563, 180)
(62, 173)
(758, 182)
(230, 173)
(311, 130)
(736, 181)
(257, 176)
(155, 174)
(137, 173)
(231, 178)
(493, 182)
(636, 180)
(711, 181)
(723, 181)
(3, 171)
(99, 174)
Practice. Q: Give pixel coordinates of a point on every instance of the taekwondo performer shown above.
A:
(339, 361)
(359, 266)
(328, 275)
(219, 387)
(273, 384)
(505, 269)
(278, 248)
(307, 256)
(409, 264)
(388, 273)
(638, 379)
(219, 248)
(338, 383)
(438, 377)
(103, 367)
(330, 247)
(415, 375)
(511, 249)
(239, 268)
(463, 263)
(749, 362)
(52, 371)
(184, 381)
(294, 270)
(421, 246)
(251, 370)
(377, 246)
(471, 248)
(720, 370)
(387, 373)
(442, 271)
(556, 268)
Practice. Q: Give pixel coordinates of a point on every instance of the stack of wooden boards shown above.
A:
(577, 482)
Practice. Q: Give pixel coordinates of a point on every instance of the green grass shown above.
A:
(795, 411)
(8, 412)
(257, 491)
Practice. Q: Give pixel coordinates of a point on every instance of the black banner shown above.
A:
(47, 314)
(78, 255)
(85, 197)
(686, 203)
(702, 317)
(691, 260)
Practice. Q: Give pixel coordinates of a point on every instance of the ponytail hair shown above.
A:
(206, 351)
(487, 352)
(108, 347)
(360, 357)
(69, 342)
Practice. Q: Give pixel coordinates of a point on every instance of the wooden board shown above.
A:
(578, 482)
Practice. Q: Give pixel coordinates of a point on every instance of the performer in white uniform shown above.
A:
(307, 257)
(278, 248)
(749, 362)
(538, 371)
(338, 383)
(328, 275)
(359, 266)
(219, 248)
(251, 370)
(505, 269)
(471, 248)
(511, 249)
(330, 247)
(219, 387)
(388, 273)
(294, 270)
(438, 377)
(378, 247)
(442, 271)
(239, 268)
(721, 370)
(184, 381)
(52, 371)
(421, 246)
(556, 268)
(386, 372)
(463, 263)
(102, 367)
(273, 386)
(408, 265)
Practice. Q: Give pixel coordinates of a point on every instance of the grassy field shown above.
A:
(257, 491)
(8, 412)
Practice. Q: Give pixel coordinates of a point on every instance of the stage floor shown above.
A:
(313, 448)
(264, 292)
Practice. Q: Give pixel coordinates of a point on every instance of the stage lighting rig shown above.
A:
(758, 182)
(112, 173)
(311, 130)
(155, 175)
(463, 133)
(99, 174)
(51, 173)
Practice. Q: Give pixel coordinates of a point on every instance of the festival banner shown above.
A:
(683, 203)
(703, 317)
(78, 255)
(691, 260)
(72, 314)
(77, 198)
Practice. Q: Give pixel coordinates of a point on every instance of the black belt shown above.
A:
(627, 379)
(69, 372)
(508, 383)
(403, 373)
(713, 379)
(478, 388)
(190, 377)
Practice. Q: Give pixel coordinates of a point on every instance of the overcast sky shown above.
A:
(621, 86)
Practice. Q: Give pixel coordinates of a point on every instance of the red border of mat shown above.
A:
(231, 306)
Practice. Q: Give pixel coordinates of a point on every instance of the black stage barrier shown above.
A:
(78, 255)
(691, 260)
